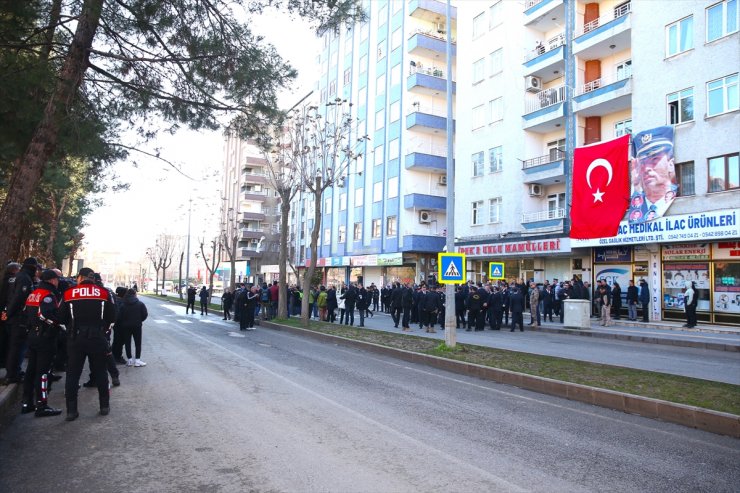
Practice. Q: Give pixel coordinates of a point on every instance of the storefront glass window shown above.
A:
(675, 277)
(335, 277)
(727, 287)
(403, 274)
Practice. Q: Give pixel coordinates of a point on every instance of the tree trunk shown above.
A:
(56, 218)
(26, 176)
(179, 276)
(232, 260)
(308, 275)
(283, 256)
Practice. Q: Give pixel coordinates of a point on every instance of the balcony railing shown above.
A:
(604, 81)
(555, 155)
(426, 148)
(433, 71)
(528, 4)
(531, 217)
(544, 98)
(429, 110)
(432, 34)
(551, 44)
(618, 12)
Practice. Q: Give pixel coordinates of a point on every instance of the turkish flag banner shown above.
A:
(601, 188)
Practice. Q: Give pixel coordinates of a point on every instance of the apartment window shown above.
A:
(393, 149)
(396, 38)
(494, 210)
(496, 61)
(380, 119)
(378, 191)
(555, 202)
(680, 36)
(364, 31)
(396, 75)
(724, 173)
(496, 109)
(376, 228)
(494, 15)
(624, 70)
(382, 14)
(479, 116)
(348, 41)
(722, 95)
(362, 96)
(392, 187)
(347, 75)
(495, 159)
(379, 158)
(685, 178)
(357, 234)
(479, 70)
(620, 128)
(397, 5)
(363, 64)
(721, 19)
(479, 24)
(394, 113)
(334, 58)
(381, 50)
(477, 160)
(332, 88)
(681, 106)
(390, 226)
(380, 85)
(476, 213)
(342, 234)
(327, 205)
(359, 197)
(343, 201)
(327, 236)
(322, 98)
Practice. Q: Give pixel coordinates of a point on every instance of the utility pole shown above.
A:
(187, 255)
(450, 320)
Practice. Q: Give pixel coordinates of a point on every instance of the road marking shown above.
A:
(161, 322)
(183, 321)
(234, 334)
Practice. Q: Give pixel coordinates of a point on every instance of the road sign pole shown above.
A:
(450, 318)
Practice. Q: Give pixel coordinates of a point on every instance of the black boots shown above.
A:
(27, 408)
(43, 410)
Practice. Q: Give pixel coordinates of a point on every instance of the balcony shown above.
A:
(545, 170)
(253, 216)
(254, 178)
(549, 218)
(545, 110)
(423, 201)
(429, 44)
(424, 156)
(604, 96)
(254, 161)
(249, 253)
(544, 15)
(427, 119)
(547, 61)
(601, 37)
(254, 195)
(431, 81)
(430, 10)
(252, 233)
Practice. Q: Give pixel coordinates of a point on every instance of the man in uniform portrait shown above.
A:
(653, 175)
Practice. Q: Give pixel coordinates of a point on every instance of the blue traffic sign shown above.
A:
(496, 270)
(451, 268)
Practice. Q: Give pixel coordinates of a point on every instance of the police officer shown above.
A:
(88, 312)
(110, 360)
(24, 284)
(42, 316)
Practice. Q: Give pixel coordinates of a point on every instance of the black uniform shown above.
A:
(191, 300)
(407, 300)
(88, 312)
(496, 306)
(396, 304)
(23, 286)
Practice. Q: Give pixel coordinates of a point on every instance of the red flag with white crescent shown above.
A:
(601, 188)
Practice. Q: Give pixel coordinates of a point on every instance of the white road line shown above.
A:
(183, 321)
(161, 322)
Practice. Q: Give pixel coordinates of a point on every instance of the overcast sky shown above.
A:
(157, 200)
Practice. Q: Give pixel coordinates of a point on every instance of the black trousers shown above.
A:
(496, 317)
(406, 319)
(227, 312)
(247, 319)
(349, 314)
(40, 352)
(18, 338)
(94, 346)
(203, 307)
(135, 333)
(119, 339)
(460, 317)
(517, 318)
(691, 315)
(190, 306)
(473, 315)
(396, 312)
(645, 313)
(427, 318)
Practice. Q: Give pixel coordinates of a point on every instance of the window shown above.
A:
(393, 187)
(496, 109)
(477, 213)
(379, 158)
(343, 201)
(327, 205)
(381, 50)
(494, 210)
(724, 173)
(380, 85)
(348, 41)
(363, 64)
(722, 95)
(334, 58)
(364, 30)
(685, 178)
(721, 19)
(362, 96)
(342, 234)
(390, 226)
(496, 61)
(357, 234)
(347, 75)
(380, 119)
(382, 15)
(477, 160)
(479, 70)
(679, 36)
(556, 148)
(359, 197)
(376, 228)
(681, 106)
(327, 236)
(479, 24)
(479, 116)
(494, 15)
(322, 98)
(396, 75)
(393, 149)
(396, 38)
(624, 70)
(495, 159)
(332, 88)
(620, 128)
(394, 113)
(397, 5)
(555, 205)
(378, 191)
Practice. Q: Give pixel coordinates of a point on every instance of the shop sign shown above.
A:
(364, 261)
(336, 261)
(560, 245)
(726, 250)
(696, 251)
(613, 254)
(320, 262)
(706, 226)
(390, 259)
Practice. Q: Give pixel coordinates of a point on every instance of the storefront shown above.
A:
(377, 269)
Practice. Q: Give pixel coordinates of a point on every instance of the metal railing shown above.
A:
(618, 12)
(426, 148)
(420, 108)
(433, 71)
(544, 98)
(554, 155)
(432, 34)
(528, 4)
(530, 217)
(604, 81)
(551, 44)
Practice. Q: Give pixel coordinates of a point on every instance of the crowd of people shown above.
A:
(56, 324)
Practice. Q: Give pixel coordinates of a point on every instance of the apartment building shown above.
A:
(558, 74)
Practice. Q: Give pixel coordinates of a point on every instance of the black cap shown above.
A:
(86, 272)
(31, 261)
(48, 275)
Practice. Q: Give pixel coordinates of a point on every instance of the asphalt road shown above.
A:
(221, 410)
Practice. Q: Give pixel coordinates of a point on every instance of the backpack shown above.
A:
(265, 295)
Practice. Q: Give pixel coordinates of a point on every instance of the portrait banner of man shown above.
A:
(653, 174)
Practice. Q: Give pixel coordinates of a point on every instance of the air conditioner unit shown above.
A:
(425, 217)
(535, 189)
(443, 180)
(533, 84)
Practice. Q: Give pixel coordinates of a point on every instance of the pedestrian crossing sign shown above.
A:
(496, 270)
(451, 268)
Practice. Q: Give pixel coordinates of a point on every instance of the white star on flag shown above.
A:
(597, 196)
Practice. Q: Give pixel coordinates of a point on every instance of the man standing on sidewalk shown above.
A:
(690, 302)
(632, 301)
(534, 304)
(605, 302)
(644, 300)
(516, 305)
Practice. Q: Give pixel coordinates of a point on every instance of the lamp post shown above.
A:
(450, 319)
(187, 254)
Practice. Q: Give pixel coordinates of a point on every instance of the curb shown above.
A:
(690, 416)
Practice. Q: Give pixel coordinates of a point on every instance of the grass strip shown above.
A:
(707, 394)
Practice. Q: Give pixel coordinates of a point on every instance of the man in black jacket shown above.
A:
(516, 305)
(6, 288)
(396, 304)
(363, 302)
(496, 307)
(350, 298)
(24, 284)
(191, 299)
(429, 306)
(408, 302)
(459, 306)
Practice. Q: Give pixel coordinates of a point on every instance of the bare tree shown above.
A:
(151, 254)
(215, 261)
(229, 240)
(179, 274)
(166, 245)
